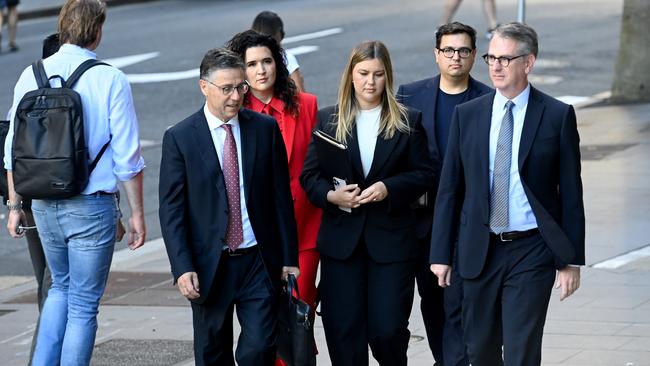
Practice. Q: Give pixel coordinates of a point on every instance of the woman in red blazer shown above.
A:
(272, 92)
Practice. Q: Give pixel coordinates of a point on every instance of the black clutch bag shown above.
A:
(296, 346)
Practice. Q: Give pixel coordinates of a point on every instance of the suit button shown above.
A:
(223, 240)
(293, 198)
(226, 212)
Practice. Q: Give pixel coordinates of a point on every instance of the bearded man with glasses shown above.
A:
(226, 214)
(511, 197)
(437, 97)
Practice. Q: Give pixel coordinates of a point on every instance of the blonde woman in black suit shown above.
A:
(368, 255)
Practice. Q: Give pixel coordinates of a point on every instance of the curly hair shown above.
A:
(283, 88)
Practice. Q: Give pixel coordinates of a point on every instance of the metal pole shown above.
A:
(521, 13)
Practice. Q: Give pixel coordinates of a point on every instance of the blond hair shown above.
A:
(393, 114)
(80, 21)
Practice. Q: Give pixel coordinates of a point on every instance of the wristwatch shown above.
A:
(15, 206)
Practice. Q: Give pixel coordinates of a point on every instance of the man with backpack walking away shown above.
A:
(73, 135)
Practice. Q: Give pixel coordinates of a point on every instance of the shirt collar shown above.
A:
(73, 49)
(520, 100)
(214, 122)
(257, 105)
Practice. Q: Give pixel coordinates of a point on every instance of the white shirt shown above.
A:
(367, 123)
(108, 110)
(521, 217)
(291, 62)
(218, 138)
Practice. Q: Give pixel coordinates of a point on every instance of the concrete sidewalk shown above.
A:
(144, 321)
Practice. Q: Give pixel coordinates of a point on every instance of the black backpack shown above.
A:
(50, 156)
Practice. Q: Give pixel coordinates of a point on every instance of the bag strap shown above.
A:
(39, 74)
(92, 165)
(292, 285)
(81, 69)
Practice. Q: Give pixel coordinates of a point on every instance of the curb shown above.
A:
(54, 10)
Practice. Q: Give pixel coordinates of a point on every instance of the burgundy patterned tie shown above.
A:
(234, 232)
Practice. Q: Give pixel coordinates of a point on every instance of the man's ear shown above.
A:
(203, 85)
(530, 61)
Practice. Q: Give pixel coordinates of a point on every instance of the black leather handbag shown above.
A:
(296, 345)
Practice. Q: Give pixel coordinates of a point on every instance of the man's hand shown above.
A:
(188, 284)
(568, 279)
(375, 193)
(16, 218)
(346, 196)
(137, 232)
(443, 272)
(286, 270)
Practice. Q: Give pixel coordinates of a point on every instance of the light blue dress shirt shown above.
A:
(218, 138)
(520, 214)
(108, 110)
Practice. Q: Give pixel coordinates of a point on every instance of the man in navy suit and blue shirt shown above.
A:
(437, 97)
(511, 195)
(226, 216)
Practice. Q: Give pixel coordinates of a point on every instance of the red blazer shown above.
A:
(296, 133)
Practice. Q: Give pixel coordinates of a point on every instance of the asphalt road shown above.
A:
(578, 44)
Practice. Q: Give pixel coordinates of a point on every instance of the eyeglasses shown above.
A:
(449, 52)
(229, 89)
(503, 60)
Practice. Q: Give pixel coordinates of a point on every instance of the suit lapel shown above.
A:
(289, 130)
(383, 148)
(203, 138)
(248, 136)
(355, 154)
(532, 119)
(430, 98)
(483, 129)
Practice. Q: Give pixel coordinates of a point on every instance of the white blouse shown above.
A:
(367, 123)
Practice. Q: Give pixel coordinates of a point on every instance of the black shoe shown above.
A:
(13, 47)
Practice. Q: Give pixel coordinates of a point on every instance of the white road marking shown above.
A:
(301, 50)
(624, 259)
(544, 79)
(30, 330)
(157, 77)
(313, 35)
(546, 63)
(573, 99)
(125, 61)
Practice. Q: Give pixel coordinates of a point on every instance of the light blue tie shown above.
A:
(501, 176)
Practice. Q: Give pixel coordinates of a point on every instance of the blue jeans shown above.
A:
(78, 236)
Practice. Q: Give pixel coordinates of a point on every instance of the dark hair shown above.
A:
(51, 45)
(269, 23)
(219, 59)
(80, 21)
(523, 34)
(455, 28)
(283, 88)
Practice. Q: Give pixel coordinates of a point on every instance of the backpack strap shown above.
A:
(39, 74)
(81, 69)
(99, 156)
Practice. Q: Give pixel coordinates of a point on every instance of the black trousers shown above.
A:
(366, 303)
(453, 341)
(507, 304)
(241, 282)
(431, 301)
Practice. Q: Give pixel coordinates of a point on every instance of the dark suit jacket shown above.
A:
(193, 205)
(387, 227)
(422, 95)
(549, 167)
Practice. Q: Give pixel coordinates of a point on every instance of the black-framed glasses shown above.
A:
(229, 89)
(449, 52)
(504, 61)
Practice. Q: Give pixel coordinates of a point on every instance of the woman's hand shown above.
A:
(375, 193)
(346, 196)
